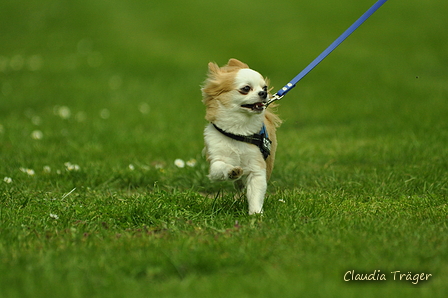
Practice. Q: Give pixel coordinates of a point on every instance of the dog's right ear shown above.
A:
(213, 68)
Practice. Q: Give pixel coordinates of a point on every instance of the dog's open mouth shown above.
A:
(258, 106)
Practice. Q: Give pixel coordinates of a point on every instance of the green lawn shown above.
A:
(99, 98)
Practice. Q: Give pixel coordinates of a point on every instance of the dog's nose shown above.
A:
(263, 94)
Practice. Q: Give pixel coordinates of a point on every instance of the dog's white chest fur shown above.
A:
(237, 153)
(232, 160)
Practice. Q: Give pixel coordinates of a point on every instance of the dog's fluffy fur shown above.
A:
(234, 95)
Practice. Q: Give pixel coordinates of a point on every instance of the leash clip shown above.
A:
(274, 97)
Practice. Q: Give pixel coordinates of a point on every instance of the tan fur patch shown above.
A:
(272, 121)
(220, 80)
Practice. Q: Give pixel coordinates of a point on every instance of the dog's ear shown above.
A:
(213, 68)
(237, 63)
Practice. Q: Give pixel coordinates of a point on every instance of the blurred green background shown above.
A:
(129, 74)
(127, 56)
(108, 84)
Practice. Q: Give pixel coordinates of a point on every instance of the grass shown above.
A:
(98, 99)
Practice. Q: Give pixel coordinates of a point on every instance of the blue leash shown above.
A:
(282, 92)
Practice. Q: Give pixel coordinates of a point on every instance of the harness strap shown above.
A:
(261, 139)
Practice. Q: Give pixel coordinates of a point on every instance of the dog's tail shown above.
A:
(272, 121)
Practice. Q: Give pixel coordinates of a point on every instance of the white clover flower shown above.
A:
(191, 163)
(179, 163)
(30, 172)
(131, 167)
(37, 135)
(7, 180)
(158, 164)
(71, 167)
(54, 216)
(47, 169)
(36, 120)
(144, 108)
(63, 111)
(105, 114)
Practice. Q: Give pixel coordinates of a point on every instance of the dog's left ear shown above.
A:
(237, 63)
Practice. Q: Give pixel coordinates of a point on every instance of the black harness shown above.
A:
(261, 139)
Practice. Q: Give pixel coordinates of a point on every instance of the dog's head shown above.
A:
(234, 88)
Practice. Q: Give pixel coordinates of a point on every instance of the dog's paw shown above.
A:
(235, 173)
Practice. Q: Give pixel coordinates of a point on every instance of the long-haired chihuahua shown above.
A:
(240, 139)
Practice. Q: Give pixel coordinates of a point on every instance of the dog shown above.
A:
(240, 139)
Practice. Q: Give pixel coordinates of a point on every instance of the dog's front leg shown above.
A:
(221, 171)
(256, 190)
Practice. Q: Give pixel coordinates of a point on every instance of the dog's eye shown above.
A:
(265, 88)
(245, 89)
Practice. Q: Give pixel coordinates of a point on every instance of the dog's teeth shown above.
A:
(259, 106)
